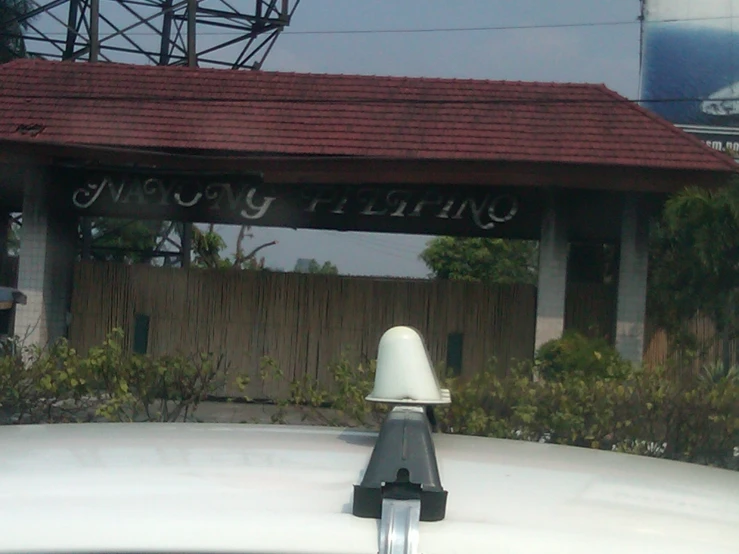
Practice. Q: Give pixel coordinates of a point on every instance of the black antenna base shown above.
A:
(402, 467)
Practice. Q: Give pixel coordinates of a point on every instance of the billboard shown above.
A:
(690, 67)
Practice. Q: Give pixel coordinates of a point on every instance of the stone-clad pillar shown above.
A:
(48, 242)
(632, 279)
(552, 287)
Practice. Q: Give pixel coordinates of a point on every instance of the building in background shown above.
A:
(690, 67)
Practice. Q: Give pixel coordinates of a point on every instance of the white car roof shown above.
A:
(277, 489)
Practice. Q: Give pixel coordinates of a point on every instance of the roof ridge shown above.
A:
(399, 78)
(674, 129)
(19, 61)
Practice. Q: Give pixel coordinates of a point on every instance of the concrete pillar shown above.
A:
(4, 254)
(632, 280)
(48, 242)
(6, 316)
(551, 290)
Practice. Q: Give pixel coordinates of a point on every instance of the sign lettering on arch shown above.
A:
(243, 199)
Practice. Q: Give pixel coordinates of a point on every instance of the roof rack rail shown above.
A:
(401, 485)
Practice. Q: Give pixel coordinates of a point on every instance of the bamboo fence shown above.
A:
(306, 322)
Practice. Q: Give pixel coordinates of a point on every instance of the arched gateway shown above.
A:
(560, 163)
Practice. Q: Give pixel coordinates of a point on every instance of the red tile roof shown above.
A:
(338, 115)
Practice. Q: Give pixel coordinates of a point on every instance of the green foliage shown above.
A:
(642, 412)
(576, 354)
(606, 406)
(57, 384)
(481, 259)
(125, 240)
(38, 385)
(647, 413)
(12, 44)
(717, 373)
(693, 265)
(327, 268)
(207, 247)
(339, 402)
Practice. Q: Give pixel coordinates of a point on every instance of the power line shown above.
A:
(502, 27)
(359, 101)
(617, 23)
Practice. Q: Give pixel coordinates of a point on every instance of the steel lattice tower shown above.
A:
(196, 33)
(237, 34)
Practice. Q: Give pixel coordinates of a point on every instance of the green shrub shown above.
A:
(41, 385)
(648, 413)
(576, 354)
(609, 406)
(341, 402)
(57, 384)
(138, 387)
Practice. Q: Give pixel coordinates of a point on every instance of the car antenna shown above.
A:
(401, 485)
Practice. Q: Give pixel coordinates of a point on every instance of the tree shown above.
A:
(126, 240)
(138, 241)
(695, 262)
(312, 266)
(12, 44)
(208, 249)
(482, 259)
(113, 240)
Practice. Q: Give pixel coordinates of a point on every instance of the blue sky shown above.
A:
(596, 54)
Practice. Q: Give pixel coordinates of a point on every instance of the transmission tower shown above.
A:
(237, 34)
(196, 33)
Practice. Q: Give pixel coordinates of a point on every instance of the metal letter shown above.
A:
(511, 212)
(85, 197)
(317, 199)
(137, 191)
(369, 207)
(183, 203)
(399, 198)
(339, 209)
(233, 199)
(461, 209)
(152, 186)
(477, 212)
(115, 193)
(444, 213)
(429, 199)
(261, 209)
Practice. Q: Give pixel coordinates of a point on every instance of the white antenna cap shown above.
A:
(404, 373)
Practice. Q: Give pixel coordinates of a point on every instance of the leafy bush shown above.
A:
(647, 412)
(340, 402)
(609, 407)
(57, 384)
(576, 354)
(716, 373)
(38, 385)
